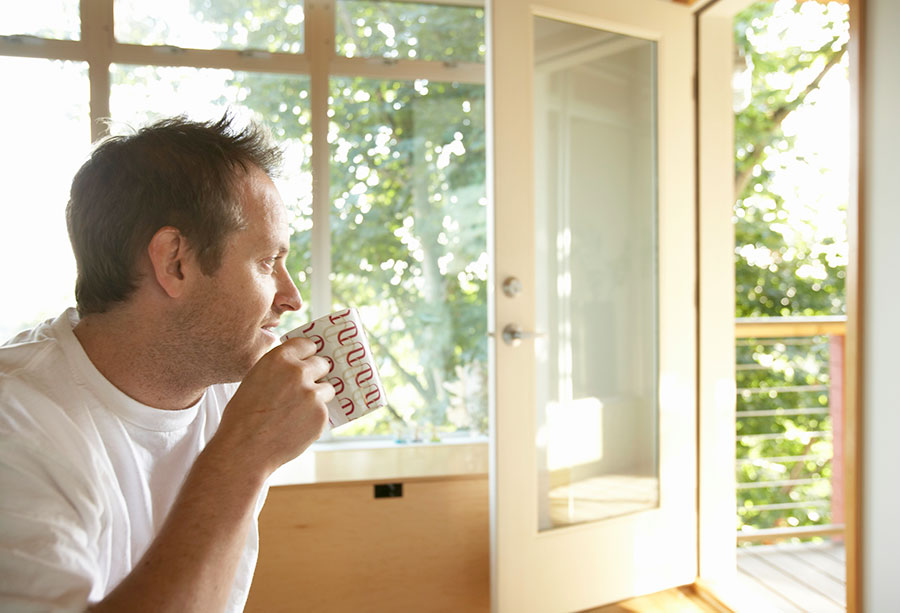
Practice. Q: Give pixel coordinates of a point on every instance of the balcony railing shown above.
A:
(789, 429)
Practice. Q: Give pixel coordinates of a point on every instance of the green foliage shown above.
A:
(789, 261)
(407, 195)
(784, 265)
(402, 30)
(783, 376)
(408, 225)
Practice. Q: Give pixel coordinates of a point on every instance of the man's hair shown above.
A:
(174, 172)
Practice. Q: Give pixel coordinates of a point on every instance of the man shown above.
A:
(132, 467)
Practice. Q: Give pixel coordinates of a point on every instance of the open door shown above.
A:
(594, 455)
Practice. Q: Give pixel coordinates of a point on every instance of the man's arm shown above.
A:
(277, 412)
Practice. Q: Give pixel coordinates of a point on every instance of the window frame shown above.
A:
(319, 61)
(98, 47)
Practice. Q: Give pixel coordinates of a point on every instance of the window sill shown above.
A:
(332, 461)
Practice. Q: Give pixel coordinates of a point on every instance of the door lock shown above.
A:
(511, 287)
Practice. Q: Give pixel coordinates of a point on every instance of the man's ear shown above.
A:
(168, 251)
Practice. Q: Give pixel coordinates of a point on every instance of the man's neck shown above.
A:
(129, 352)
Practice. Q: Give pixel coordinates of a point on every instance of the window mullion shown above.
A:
(408, 70)
(320, 50)
(45, 48)
(97, 36)
(250, 60)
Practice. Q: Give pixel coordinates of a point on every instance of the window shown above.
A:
(382, 122)
(47, 137)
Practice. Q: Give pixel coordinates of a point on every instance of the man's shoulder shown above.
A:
(26, 350)
(33, 355)
(35, 378)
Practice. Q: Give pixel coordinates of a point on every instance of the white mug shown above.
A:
(341, 339)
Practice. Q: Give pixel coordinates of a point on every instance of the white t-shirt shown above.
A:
(87, 474)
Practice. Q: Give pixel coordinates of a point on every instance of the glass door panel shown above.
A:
(593, 350)
(596, 273)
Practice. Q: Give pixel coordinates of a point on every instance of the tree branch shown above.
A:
(742, 179)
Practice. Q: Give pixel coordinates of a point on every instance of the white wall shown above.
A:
(881, 309)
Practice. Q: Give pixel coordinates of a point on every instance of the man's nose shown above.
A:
(288, 296)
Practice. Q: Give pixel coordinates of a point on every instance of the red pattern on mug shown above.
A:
(365, 373)
(338, 384)
(373, 396)
(348, 333)
(318, 340)
(345, 403)
(342, 353)
(357, 354)
(336, 317)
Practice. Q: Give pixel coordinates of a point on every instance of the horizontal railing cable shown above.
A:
(782, 459)
(794, 435)
(783, 389)
(805, 504)
(770, 351)
(753, 485)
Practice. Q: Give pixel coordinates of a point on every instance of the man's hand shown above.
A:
(279, 409)
(277, 412)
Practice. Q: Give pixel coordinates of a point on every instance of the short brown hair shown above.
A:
(174, 172)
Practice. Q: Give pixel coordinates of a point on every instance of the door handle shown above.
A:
(513, 334)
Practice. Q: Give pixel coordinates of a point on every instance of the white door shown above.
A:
(594, 461)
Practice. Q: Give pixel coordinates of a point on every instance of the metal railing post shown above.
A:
(836, 410)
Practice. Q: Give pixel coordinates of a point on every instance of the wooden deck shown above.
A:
(676, 600)
(795, 578)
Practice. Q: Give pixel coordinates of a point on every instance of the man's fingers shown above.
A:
(299, 347)
(301, 351)
(325, 392)
(318, 366)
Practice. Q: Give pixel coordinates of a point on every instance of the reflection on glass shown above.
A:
(59, 19)
(596, 273)
(269, 25)
(140, 94)
(46, 138)
(409, 246)
(406, 30)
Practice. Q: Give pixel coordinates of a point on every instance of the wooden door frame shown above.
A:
(716, 381)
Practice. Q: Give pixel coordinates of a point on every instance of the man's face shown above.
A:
(233, 313)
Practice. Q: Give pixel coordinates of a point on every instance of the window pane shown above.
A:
(402, 30)
(140, 94)
(271, 25)
(44, 147)
(596, 273)
(45, 18)
(409, 246)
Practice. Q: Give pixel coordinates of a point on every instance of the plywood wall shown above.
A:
(335, 547)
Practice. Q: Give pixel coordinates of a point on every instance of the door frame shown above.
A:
(715, 233)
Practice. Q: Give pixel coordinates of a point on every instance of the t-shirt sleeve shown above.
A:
(48, 531)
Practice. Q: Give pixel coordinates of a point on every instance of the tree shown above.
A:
(788, 260)
(408, 214)
(784, 266)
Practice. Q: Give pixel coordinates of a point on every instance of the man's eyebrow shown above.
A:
(278, 249)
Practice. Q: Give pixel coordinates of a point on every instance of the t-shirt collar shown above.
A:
(111, 397)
